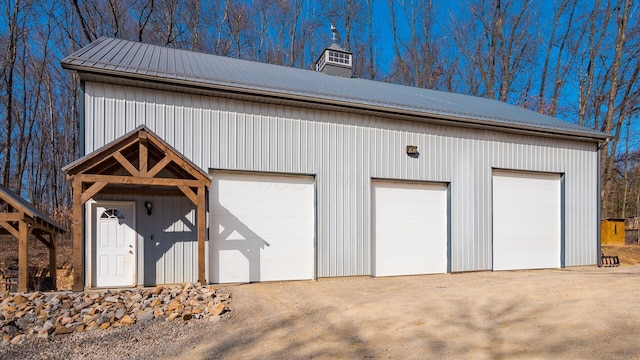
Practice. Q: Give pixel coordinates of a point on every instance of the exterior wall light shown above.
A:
(412, 151)
(149, 206)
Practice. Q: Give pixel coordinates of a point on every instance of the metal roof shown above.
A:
(23, 205)
(116, 57)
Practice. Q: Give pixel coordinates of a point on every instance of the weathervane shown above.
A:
(335, 37)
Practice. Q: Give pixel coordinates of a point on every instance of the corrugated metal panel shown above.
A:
(345, 151)
(133, 59)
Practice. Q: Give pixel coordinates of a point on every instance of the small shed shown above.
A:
(612, 231)
(22, 220)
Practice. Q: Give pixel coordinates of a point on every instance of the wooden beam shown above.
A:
(78, 248)
(12, 230)
(166, 191)
(143, 156)
(23, 257)
(189, 194)
(97, 158)
(92, 190)
(179, 160)
(41, 225)
(53, 266)
(46, 242)
(159, 166)
(14, 216)
(126, 164)
(201, 214)
(130, 180)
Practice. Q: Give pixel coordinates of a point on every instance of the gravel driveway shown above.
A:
(584, 312)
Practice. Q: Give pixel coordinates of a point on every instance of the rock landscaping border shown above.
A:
(53, 314)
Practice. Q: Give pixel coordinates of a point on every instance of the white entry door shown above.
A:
(526, 220)
(114, 245)
(409, 228)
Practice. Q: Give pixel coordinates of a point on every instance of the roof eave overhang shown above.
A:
(412, 115)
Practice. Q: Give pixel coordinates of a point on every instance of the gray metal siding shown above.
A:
(345, 151)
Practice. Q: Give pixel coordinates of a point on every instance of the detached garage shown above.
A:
(317, 174)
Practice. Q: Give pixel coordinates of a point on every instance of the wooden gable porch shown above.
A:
(138, 162)
(23, 221)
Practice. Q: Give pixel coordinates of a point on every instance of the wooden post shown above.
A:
(78, 248)
(52, 257)
(23, 257)
(201, 233)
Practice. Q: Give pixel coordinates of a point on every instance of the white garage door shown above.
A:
(262, 227)
(410, 228)
(526, 220)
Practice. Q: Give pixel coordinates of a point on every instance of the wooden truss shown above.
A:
(23, 221)
(138, 162)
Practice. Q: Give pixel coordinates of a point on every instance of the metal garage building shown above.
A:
(316, 175)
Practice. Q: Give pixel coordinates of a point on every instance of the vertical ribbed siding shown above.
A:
(345, 151)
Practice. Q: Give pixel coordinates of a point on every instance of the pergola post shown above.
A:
(52, 257)
(78, 248)
(23, 256)
(201, 233)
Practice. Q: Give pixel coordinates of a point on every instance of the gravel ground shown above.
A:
(150, 340)
(574, 313)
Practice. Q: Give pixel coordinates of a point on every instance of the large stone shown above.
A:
(127, 320)
(19, 299)
(66, 304)
(18, 339)
(172, 316)
(158, 312)
(64, 320)
(112, 299)
(10, 329)
(120, 313)
(43, 333)
(216, 309)
(102, 319)
(25, 322)
(83, 305)
(174, 304)
(63, 330)
(48, 327)
(143, 316)
(157, 290)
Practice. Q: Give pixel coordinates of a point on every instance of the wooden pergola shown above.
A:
(22, 220)
(138, 162)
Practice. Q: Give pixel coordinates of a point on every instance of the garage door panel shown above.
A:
(526, 221)
(266, 227)
(410, 228)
